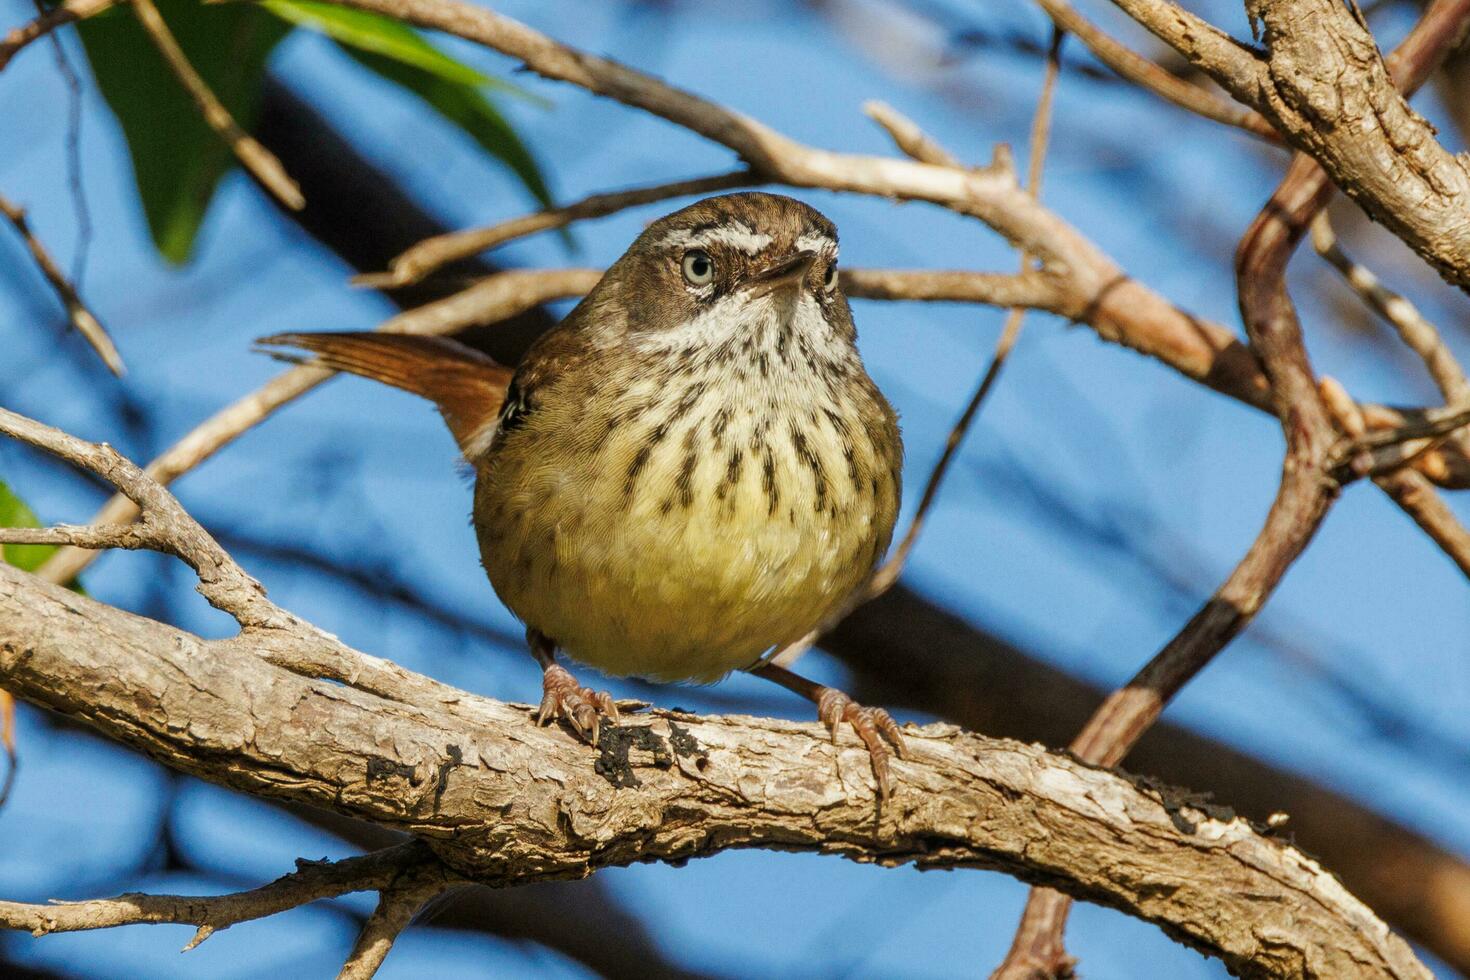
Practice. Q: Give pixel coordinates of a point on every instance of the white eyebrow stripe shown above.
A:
(815, 241)
(739, 236)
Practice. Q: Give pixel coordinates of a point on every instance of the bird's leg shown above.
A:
(872, 725)
(563, 697)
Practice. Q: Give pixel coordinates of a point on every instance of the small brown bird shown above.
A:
(690, 471)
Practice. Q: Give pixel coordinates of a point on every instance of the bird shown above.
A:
(689, 472)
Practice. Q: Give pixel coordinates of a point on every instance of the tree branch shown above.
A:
(398, 903)
(505, 802)
(433, 253)
(260, 162)
(1322, 83)
(81, 318)
(1149, 76)
(310, 882)
(1303, 498)
(59, 16)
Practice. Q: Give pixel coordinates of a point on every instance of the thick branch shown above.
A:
(1322, 83)
(505, 802)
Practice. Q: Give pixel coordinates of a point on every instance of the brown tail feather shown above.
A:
(466, 386)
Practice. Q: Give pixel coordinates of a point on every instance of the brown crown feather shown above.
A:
(466, 385)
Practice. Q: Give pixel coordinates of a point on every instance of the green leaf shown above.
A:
(177, 159)
(468, 109)
(14, 513)
(390, 38)
(26, 557)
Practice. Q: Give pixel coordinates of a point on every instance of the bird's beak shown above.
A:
(789, 271)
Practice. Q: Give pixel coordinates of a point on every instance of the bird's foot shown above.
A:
(583, 708)
(873, 726)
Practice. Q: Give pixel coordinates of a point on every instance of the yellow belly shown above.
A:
(723, 541)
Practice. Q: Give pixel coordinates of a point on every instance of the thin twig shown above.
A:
(908, 137)
(1414, 494)
(1151, 77)
(1421, 336)
(398, 903)
(310, 882)
(221, 580)
(85, 322)
(131, 537)
(1411, 490)
(73, 153)
(1433, 423)
(886, 575)
(66, 13)
(254, 157)
(7, 740)
(417, 262)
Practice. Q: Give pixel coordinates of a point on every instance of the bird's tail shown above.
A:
(466, 386)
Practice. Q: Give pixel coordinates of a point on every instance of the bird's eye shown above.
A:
(699, 268)
(829, 278)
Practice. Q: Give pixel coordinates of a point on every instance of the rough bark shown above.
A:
(504, 802)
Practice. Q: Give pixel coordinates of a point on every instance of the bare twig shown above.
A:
(7, 740)
(73, 152)
(131, 537)
(1432, 423)
(432, 253)
(255, 158)
(1417, 497)
(398, 903)
(1029, 289)
(1147, 75)
(887, 574)
(908, 137)
(77, 312)
(310, 882)
(223, 582)
(1414, 494)
(62, 14)
(1421, 336)
(917, 144)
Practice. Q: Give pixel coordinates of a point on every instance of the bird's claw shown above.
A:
(872, 725)
(582, 708)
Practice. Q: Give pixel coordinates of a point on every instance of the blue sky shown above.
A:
(361, 472)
